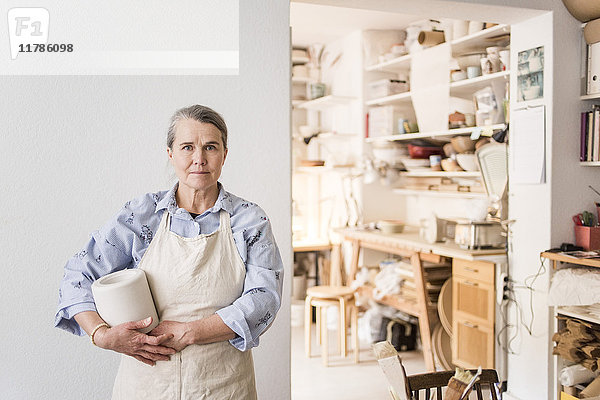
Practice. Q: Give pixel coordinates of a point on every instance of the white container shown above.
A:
(504, 59)
(458, 75)
(383, 121)
(124, 296)
(389, 152)
(386, 87)
(460, 29)
(475, 27)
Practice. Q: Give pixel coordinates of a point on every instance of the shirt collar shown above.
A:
(169, 202)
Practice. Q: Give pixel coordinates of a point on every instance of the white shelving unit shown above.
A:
(578, 312)
(467, 87)
(437, 193)
(393, 99)
(464, 44)
(464, 89)
(478, 40)
(325, 102)
(589, 163)
(303, 79)
(299, 60)
(590, 96)
(445, 174)
(485, 131)
(396, 65)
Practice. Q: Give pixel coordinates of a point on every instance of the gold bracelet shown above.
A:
(96, 330)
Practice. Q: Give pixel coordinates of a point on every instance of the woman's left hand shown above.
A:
(181, 331)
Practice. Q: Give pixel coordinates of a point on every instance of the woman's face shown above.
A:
(198, 154)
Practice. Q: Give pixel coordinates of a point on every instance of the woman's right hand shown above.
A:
(125, 339)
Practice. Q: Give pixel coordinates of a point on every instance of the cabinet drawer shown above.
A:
(479, 270)
(473, 299)
(472, 344)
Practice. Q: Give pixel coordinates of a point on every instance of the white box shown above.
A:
(386, 87)
(383, 121)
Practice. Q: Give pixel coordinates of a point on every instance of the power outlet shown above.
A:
(503, 284)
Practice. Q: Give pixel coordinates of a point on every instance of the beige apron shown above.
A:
(191, 278)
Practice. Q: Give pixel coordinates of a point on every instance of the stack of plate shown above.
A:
(442, 347)
(442, 333)
(444, 306)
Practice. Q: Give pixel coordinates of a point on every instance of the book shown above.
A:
(590, 134)
(582, 254)
(583, 138)
(596, 140)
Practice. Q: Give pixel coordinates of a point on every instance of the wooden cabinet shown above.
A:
(473, 313)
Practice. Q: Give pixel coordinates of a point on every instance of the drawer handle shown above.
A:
(471, 269)
(470, 325)
(471, 283)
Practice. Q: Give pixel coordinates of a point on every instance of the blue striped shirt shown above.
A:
(121, 243)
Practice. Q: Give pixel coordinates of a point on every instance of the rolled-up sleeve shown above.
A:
(251, 314)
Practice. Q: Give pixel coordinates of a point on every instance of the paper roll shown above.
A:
(125, 296)
(431, 38)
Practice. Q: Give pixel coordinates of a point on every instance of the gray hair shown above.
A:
(201, 114)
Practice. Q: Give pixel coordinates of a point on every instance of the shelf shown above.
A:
(325, 169)
(589, 163)
(393, 99)
(302, 79)
(300, 60)
(325, 102)
(463, 89)
(335, 135)
(296, 103)
(435, 193)
(409, 306)
(467, 87)
(590, 96)
(394, 65)
(478, 40)
(457, 174)
(578, 312)
(590, 262)
(485, 131)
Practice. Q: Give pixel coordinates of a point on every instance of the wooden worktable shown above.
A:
(410, 245)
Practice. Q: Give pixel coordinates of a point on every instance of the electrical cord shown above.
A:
(509, 296)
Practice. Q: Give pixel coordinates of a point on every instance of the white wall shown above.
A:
(76, 148)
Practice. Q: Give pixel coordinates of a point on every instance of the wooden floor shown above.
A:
(342, 379)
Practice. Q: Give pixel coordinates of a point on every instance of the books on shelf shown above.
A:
(582, 254)
(590, 135)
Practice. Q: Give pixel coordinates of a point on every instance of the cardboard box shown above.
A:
(587, 237)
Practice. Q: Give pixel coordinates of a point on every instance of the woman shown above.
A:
(213, 268)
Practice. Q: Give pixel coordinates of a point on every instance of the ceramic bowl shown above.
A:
(390, 226)
(468, 162)
(449, 150)
(463, 144)
(469, 60)
(450, 165)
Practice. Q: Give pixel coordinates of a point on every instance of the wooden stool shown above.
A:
(322, 297)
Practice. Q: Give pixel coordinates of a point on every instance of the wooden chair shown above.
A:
(435, 381)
